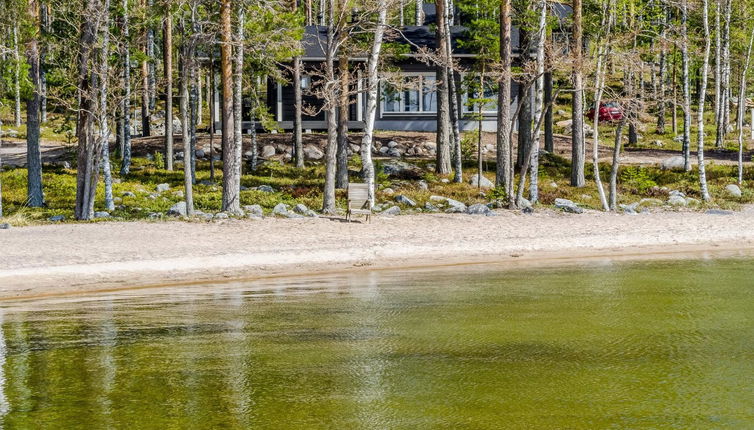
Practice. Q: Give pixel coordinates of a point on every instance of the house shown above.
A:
(408, 107)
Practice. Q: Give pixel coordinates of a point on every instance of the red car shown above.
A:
(609, 111)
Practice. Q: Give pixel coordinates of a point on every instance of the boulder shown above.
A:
(524, 203)
(402, 170)
(388, 191)
(56, 218)
(394, 152)
(178, 209)
(154, 215)
(162, 188)
(393, 210)
(629, 209)
(101, 214)
(301, 209)
(311, 152)
(673, 163)
(423, 185)
(268, 151)
(676, 200)
(478, 209)
(568, 206)
(5, 226)
(221, 216)
(401, 199)
(265, 189)
(392, 144)
(734, 191)
(280, 209)
(128, 194)
(485, 183)
(566, 123)
(253, 210)
(200, 153)
(429, 207)
(178, 194)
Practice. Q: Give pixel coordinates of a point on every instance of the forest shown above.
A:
(139, 109)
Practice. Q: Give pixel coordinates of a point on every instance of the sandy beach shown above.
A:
(82, 258)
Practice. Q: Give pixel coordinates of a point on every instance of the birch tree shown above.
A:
(686, 142)
(367, 166)
(125, 166)
(742, 107)
(577, 132)
(702, 101)
(167, 57)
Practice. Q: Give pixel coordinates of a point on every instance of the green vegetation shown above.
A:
(293, 186)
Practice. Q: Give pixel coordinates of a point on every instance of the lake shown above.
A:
(663, 344)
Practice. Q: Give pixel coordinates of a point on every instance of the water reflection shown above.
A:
(664, 344)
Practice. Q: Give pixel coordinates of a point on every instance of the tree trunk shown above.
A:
(725, 90)
(35, 198)
(89, 153)
(341, 176)
(661, 127)
(503, 177)
(442, 165)
(686, 89)
(44, 19)
(577, 143)
(125, 165)
(16, 78)
(616, 165)
(328, 201)
(212, 115)
(742, 109)
(455, 111)
(718, 63)
(167, 55)
(549, 138)
(538, 102)
(186, 57)
(238, 86)
(419, 12)
(231, 151)
(367, 166)
(151, 72)
(298, 140)
(103, 119)
(702, 101)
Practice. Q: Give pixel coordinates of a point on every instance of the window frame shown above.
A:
(401, 94)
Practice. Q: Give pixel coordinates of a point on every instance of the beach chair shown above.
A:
(358, 201)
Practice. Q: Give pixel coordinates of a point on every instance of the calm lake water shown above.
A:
(606, 345)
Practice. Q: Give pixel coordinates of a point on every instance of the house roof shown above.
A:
(315, 36)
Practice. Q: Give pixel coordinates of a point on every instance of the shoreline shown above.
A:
(80, 259)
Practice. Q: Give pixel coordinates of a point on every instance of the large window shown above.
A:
(417, 94)
(474, 97)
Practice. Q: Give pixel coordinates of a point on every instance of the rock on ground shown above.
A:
(485, 183)
(393, 210)
(568, 206)
(401, 199)
(178, 209)
(734, 190)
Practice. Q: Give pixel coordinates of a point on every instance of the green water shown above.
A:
(610, 345)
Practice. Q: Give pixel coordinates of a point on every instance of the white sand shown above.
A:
(80, 258)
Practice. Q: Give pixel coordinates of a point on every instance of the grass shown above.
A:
(293, 186)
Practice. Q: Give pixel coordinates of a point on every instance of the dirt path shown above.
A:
(13, 152)
(75, 258)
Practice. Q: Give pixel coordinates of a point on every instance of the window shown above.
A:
(391, 100)
(488, 98)
(306, 81)
(416, 95)
(429, 94)
(411, 94)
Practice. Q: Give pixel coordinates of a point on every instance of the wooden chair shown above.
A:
(358, 201)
